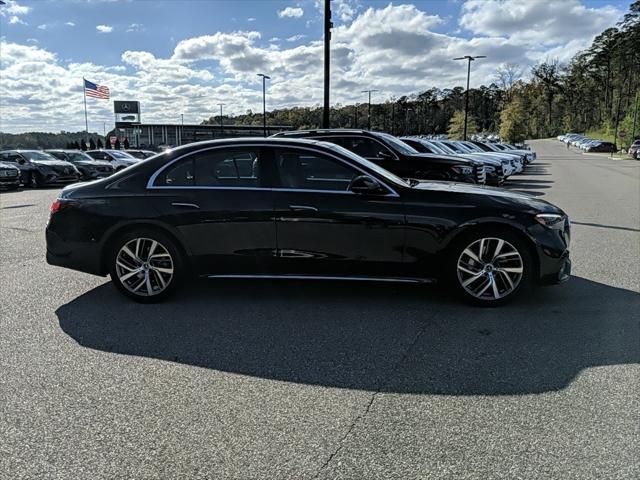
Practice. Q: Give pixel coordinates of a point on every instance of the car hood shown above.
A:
(454, 159)
(93, 163)
(8, 166)
(521, 201)
(486, 159)
(51, 163)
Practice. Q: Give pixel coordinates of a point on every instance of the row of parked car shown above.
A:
(39, 168)
(587, 144)
(420, 157)
(423, 157)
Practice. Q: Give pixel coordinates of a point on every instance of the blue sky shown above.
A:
(186, 56)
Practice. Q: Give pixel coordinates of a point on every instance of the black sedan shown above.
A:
(394, 155)
(89, 168)
(9, 176)
(38, 169)
(301, 209)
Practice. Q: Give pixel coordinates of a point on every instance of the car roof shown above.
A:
(323, 131)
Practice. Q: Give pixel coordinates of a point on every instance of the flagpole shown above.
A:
(86, 121)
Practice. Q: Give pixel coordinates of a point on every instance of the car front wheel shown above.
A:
(146, 265)
(491, 268)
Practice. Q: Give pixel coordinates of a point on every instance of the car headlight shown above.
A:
(551, 220)
(463, 170)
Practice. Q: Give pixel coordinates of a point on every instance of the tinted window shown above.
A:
(365, 147)
(307, 171)
(227, 168)
(99, 155)
(179, 174)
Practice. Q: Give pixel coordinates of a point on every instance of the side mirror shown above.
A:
(366, 185)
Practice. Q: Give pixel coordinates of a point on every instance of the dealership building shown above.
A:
(154, 135)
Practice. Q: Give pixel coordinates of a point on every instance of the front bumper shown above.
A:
(10, 182)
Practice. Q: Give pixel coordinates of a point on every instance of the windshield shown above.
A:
(39, 156)
(472, 147)
(452, 146)
(464, 147)
(397, 144)
(79, 157)
(370, 165)
(118, 154)
(445, 148)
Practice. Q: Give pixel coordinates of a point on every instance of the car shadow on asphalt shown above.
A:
(368, 336)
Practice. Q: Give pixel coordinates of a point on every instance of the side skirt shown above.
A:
(327, 277)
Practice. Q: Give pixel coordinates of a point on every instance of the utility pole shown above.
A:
(264, 102)
(369, 111)
(327, 60)
(221, 127)
(470, 59)
(635, 117)
(355, 116)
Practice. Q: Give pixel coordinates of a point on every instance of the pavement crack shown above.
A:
(382, 385)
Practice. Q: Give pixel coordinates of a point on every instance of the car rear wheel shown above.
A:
(491, 268)
(146, 265)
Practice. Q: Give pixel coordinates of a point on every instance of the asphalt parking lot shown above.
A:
(257, 379)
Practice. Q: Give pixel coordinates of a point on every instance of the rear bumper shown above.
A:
(84, 257)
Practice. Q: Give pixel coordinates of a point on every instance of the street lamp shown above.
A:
(369, 111)
(264, 102)
(470, 59)
(221, 127)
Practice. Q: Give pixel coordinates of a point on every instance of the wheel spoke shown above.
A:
(496, 252)
(470, 272)
(126, 267)
(472, 279)
(510, 269)
(137, 287)
(506, 254)
(481, 254)
(127, 276)
(163, 270)
(147, 278)
(494, 286)
(470, 253)
(126, 250)
(152, 249)
(484, 289)
(160, 279)
(506, 276)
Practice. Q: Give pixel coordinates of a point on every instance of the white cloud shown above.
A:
(295, 38)
(14, 8)
(14, 20)
(44, 26)
(291, 12)
(547, 22)
(251, 19)
(135, 27)
(70, 24)
(104, 28)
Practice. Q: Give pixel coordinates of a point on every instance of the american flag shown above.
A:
(96, 91)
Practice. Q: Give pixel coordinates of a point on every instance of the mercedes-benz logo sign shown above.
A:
(126, 107)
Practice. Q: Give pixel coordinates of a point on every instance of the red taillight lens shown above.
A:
(56, 206)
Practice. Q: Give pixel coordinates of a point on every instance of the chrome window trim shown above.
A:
(152, 179)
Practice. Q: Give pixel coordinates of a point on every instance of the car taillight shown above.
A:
(56, 206)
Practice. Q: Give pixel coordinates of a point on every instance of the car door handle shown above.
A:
(185, 205)
(302, 208)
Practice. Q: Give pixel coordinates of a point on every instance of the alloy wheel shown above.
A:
(144, 266)
(490, 268)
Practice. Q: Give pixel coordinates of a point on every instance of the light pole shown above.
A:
(264, 102)
(470, 59)
(327, 58)
(221, 127)
(369, 111)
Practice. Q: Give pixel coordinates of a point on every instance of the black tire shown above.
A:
(177, 263)
(491, 235)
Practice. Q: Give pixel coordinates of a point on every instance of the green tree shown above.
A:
(513, 122)
(456, 125)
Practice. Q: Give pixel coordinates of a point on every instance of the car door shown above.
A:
(216, 199)
(325, 229)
